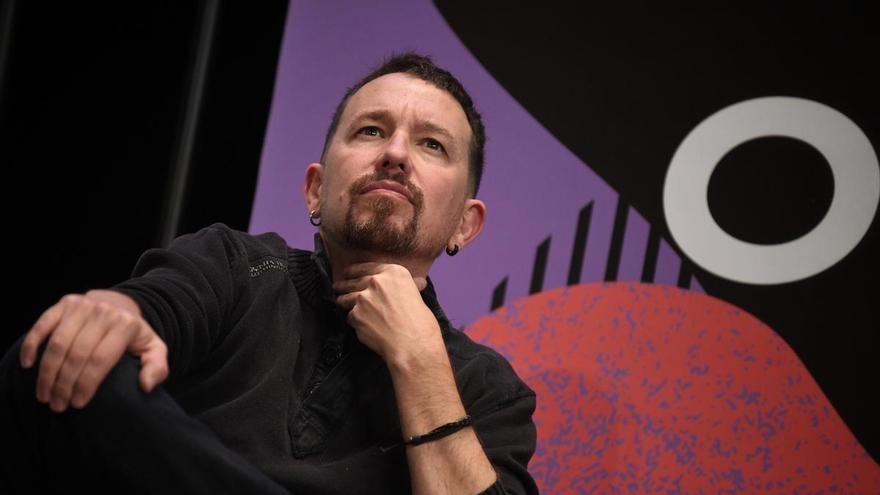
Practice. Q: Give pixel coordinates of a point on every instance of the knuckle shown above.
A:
(39, 328)
(46, 370)
(124, 317)
(42, 322)
(79, 300)
(30, 341)
(69, 299)
(86, 382)
(62, 387)
(76, 358)
(114, 317)
(98, 360)
(111, 318)
(102, 308)
(77, 303)
(132, 326)
(56, 346)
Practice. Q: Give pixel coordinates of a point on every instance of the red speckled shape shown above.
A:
(652, 389)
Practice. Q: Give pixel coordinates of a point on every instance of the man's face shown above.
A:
(396, 172)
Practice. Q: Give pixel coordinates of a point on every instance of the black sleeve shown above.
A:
(501, 405)
(187, 292)
(508, 436)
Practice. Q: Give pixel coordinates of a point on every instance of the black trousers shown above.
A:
(124, 440)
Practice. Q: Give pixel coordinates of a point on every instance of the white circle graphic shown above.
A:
(853, 165)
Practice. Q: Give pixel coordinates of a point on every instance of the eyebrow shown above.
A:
(433, 128)
(385, 116)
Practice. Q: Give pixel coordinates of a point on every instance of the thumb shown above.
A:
(154, 367)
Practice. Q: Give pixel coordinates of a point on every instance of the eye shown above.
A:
(370, 130)
(434, 145)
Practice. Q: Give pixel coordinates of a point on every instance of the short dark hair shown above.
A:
(424, 68)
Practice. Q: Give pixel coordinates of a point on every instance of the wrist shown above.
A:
(115, 298)
(424, 357)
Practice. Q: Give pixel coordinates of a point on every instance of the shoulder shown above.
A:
(259, 252)
(250, 246)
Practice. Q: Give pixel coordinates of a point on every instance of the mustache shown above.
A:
(362, 183)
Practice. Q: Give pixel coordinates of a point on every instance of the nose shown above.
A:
(396, 156)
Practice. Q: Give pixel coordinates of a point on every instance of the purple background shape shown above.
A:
(533, 185)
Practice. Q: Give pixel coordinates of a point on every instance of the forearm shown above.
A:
(427, 397)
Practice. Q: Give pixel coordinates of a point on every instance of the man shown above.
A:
(327, 372)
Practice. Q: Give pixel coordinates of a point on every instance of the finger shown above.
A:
(352, 285)
(353, 319)
(81, 348)
(350, 300)
(45, 324)
(154, 366)
(421, 282)
(57, 347)
(100, 362)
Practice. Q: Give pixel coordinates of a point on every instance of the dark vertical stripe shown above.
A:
(651, 254)
(498, 295)
(580, 244)
(616, 240)
(539, 267)
(192, 108)
(684, 275)
(7, 13)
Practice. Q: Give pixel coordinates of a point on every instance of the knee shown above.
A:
(15, 379)
(119, 389)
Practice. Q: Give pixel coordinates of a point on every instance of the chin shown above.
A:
(395, 218)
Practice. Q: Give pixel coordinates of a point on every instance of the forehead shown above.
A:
(405, 96)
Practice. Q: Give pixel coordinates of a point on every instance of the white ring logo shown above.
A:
(853, 164)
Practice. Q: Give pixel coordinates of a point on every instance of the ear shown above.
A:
(472, 219)
(312, 186)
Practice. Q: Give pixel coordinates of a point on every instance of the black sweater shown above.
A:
(259, 351)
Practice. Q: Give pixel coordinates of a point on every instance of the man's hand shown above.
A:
(386, 309)
(87, 336)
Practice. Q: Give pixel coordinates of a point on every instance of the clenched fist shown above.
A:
(87, 335)
(387, 312)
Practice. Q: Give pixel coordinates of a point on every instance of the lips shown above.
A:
(388, 185)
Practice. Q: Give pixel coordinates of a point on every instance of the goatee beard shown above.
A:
(377, 233)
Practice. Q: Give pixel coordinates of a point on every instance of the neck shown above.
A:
(341, 257)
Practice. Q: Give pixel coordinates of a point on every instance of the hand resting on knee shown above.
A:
(87, 335)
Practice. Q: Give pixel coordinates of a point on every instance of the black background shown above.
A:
(92, 104)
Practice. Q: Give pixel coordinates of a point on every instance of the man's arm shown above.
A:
(176, 300)
(389, 316)
(427, 397)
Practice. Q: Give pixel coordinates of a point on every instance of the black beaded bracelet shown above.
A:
(440, 431)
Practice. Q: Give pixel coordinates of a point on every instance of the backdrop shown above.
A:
(730, 153)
